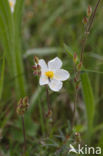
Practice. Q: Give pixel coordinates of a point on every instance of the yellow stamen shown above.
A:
(49, 74)
(11, 4)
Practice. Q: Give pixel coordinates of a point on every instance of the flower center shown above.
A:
(49, 74)
(11, 4)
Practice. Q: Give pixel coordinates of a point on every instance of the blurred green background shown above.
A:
(42, 30)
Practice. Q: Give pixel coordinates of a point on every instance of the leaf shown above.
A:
(10, 38)
(96, 56)
(18, 50)
(98, 128)
(35, 98)
(42, 51)
(30, 126)
(91, 71)
(2, 77)
(52, 18)
(79, 128)
(5, 28)
(69, 50)
(89, 100)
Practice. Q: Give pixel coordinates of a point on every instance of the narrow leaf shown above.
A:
(89, 100)
(2, 77)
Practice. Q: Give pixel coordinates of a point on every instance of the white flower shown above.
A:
(52, 74)
(12, 5)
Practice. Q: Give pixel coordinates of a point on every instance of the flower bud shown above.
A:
(85, 20)
(89, 11)
(75, 58)
(35, 73)
(36, 59)
(25, 101)
(22, 106)
(34, 67)
(38, 67)
(79, 66)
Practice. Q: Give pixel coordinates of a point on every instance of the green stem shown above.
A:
(23, 127)
(48, 102)
(88, 28)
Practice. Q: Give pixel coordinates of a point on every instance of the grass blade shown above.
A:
(42, 51)
(89, 101)
(10, 38)
(2, 78)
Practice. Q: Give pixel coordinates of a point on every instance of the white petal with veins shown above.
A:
(61, 74)
(43, 65)
(56, 63)
(55, 85)
(43, 80)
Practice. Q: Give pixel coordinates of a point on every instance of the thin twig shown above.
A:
(87, 31)
(23, 126)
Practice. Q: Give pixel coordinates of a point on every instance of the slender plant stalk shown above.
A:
(75, 102)
(87, 31)
(49, 110)
(41, 119)
(76, 96)
(23, 127)
(48, 102)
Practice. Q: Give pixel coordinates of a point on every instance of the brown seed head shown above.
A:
(22, 106)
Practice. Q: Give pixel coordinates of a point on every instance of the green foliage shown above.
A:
(10, 38)
(89, 101)
(69, 50)
(2, 78)
(42, 51)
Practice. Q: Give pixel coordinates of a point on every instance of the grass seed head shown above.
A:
(22, 106)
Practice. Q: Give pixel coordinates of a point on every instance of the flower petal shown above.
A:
(43, 64)
(43, 80)
(13, 1)
(56, 63)
(61, 74)
(55, 85)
